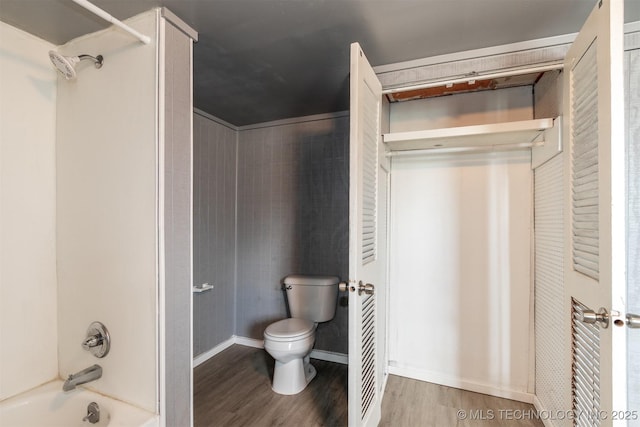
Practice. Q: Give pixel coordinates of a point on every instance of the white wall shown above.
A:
(106, 213)
(460, 260)
(28, 332)
(468, 109)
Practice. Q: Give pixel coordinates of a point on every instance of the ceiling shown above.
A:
(263, 60)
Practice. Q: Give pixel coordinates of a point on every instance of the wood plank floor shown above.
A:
(234, 389)
(409, 403)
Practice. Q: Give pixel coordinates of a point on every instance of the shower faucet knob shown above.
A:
(98, 341)
(92, 341)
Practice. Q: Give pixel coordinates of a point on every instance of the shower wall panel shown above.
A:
(27, 213)
(106, 164)
(293, 217)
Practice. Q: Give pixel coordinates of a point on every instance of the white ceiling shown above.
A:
(262, 60)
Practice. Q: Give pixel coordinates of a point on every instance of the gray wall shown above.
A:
(177, 227)
(292, 218)
(214, 226)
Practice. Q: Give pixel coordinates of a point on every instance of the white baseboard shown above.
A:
(248, 342)
(541, 410)
(385, 379)
(203, 357)
(330, 356)
(418, 374)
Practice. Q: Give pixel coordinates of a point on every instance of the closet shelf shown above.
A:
(485, 135)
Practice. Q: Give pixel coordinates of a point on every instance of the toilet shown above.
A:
(311, 299)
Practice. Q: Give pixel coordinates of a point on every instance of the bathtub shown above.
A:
(49, 406)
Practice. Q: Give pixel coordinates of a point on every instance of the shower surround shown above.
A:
(103, 163)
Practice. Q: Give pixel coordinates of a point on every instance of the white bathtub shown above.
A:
(49, 406)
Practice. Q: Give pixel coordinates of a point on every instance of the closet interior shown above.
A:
(461, 211)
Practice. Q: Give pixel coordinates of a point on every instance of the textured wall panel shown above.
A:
(553, 377)
(633, 224)
(293, 207)
(483, 64)
(177, 170)
(214, 227)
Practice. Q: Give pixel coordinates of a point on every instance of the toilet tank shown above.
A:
(312, 297)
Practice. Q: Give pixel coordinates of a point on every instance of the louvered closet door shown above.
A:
(594, 226)
(365, 261)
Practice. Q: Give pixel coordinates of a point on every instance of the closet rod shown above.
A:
(471, 78)
(497, 147)
(107, 17)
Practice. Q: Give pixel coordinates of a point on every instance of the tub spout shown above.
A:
(92, 373)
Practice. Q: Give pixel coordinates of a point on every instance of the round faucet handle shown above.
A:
(97, 340)
(92, 341)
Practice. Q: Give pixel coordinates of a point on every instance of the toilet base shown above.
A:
(292, 377)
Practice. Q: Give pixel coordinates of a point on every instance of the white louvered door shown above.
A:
(594, 226)
(366, 266)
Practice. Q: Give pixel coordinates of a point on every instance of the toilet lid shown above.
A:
(290, 328)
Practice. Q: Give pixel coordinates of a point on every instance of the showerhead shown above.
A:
(66, 65)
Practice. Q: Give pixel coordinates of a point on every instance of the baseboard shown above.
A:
(418, 374)
(330, 356)
(540, 409)
(203, 357)
(385, 379)
(248, 342)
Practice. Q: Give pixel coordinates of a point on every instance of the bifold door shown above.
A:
(595, 223)
(366, 265)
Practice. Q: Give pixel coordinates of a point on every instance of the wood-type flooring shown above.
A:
(233, 389)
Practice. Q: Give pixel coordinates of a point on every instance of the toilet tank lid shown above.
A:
(308, 280)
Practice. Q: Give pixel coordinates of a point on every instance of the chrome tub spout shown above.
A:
(92, 373)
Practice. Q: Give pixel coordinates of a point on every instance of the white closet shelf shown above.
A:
(485, 135)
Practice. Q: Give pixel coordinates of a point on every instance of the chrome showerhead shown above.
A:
(66, 65)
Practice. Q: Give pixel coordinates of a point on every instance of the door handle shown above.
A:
(633, 321)
(591, 317)
(368, 289)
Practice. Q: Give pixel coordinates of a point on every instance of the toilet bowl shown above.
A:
(311, 299)
(289, 342)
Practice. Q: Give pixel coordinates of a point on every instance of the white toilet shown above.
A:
(312, 299)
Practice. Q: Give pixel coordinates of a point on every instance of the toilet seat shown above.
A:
(291, 329)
